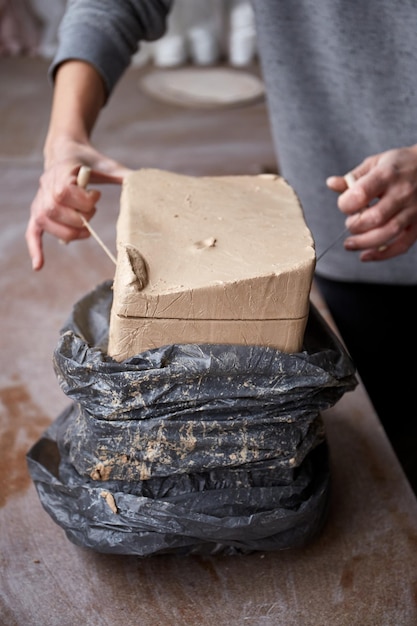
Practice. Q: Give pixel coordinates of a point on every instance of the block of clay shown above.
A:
(224, 259)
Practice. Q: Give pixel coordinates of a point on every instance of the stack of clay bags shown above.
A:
(198, 427)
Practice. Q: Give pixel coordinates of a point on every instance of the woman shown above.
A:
(341, 97)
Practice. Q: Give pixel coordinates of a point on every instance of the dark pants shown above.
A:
(378, 324)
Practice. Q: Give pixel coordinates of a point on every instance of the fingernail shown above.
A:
(349, 244)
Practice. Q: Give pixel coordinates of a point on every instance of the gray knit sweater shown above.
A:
(341, 86)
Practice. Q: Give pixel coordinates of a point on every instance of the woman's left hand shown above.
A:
(381, 204)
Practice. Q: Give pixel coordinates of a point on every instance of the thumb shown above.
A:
(336, 183)
(114, 176)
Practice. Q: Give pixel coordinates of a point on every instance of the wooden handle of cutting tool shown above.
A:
(82, 181)
(349, 179)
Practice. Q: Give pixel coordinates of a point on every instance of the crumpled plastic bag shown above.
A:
(188, 448)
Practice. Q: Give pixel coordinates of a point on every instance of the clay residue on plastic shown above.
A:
(101, 471)
(110, 501)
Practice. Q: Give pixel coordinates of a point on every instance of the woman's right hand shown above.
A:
(59, 200)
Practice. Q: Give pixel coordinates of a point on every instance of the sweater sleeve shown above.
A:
(107, 33)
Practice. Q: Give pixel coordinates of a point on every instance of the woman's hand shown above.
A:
(381, 204)
(59, 201)
(79, 95)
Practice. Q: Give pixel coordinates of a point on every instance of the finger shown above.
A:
(56, 216)
(65, 203)
(74, 198)
(61, 222)
(398, 246)
(366, 183)
(375, 236)
(65, 234)
(34, 244)
(372, 217)
(336, 183)
(350, 201)
(59, 188)
(391, 211)
(84, 201)
(372, 239)
(367, 166)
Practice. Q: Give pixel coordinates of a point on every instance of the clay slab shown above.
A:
(225, 259)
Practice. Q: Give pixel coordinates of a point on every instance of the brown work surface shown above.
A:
(362, 569)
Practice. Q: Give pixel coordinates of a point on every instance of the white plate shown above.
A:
(203, 87)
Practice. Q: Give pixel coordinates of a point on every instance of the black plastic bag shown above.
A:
(188, 448)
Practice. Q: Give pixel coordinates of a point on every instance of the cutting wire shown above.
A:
(82, 181)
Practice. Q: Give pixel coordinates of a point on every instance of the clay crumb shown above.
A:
(209, 242)
(109, 500)
(138, 266)
(268, 176)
